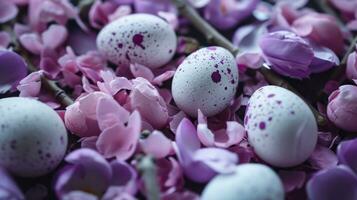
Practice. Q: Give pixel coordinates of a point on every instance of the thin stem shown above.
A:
(148, 169)
(49, 85)
(217, 38)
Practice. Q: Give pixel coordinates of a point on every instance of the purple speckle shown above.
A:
(271, 95)
(228, 70)
(292, 112)
(170, 51)
(120, 45)
(232, 81)
(216, 66)
(13, 144)
(216, 76)
(138, 40)
(278, 102)
(270, 118)
(262, 125)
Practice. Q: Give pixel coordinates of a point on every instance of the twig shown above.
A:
(49, 85)
(215, 37)
(148, 170)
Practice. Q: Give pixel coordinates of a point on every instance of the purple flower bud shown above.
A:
(342, 107)
(288, 54)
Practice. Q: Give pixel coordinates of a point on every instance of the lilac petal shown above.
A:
(120, 140)
(32, 42)
(149, 145)
(322, 158)
(54, 36)
(124, 176)
(351, 68)
(116, 192)
(89, 172)
(79, 195)
(153, 6)
(8, 11)
(5, 39)
(163, 77)
(89, 142)
(246, 38)
(347, 152)
(176, 119)
(219, 160)
(294, 4)
(109, 113)
(323, 60)
(335, 183)
(205, 135)
(187, 141)
(8, 188)
(12, 70)
(30, 86)
(234, 133)
(141, 71)
(81, 41)
(292, 180)
(199, 3)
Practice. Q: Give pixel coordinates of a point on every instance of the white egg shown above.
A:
(206, 80)
(249, 182)
(280, 126)
(33, 138)
(138, 38)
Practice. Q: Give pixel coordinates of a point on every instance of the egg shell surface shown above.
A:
(206, 80)
(280, 126)
(138, 38)
(249, 182)
(33, 138)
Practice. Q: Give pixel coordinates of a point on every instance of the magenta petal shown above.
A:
(8, 11)
(109, 113)
(119, 140)
(347, 153)
(335, 183)
(150, 145)
(54, 36)
(12, 70)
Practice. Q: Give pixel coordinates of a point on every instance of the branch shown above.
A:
(148, 170)
(215, 37)
(49, 85)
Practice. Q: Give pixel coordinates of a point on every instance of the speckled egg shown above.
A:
(280, 126)
(206, 80)
(33, 138)
(138, 38)
(249, 182)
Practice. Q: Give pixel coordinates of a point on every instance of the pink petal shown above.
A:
(150, 145)
(31, 41)
(235, 133)
(109, 113)
(141, 71)
(120, 141)
(8, 11)
(322, 158)
(176, 119)
(5, 39)
(163, 77)
(54, 36)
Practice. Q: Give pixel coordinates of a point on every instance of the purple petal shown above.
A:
(322, 158)
(292, 180)
(347, 153)
(124, 176)
(89, 172)
(8, 188)
(76, 195)
(8, 11)
(323, 60)
(12, 70)
(30, 86)
(219, 160)
(5, 39)
(150, 145)
(32, 42)
(335, 183)
(54, 36)
(141, 71)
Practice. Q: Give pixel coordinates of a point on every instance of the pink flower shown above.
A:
(52, 38)
(342, 107)
(322, 29)
(81, 117)
(225, 137)
(120, 130)
(145, 98)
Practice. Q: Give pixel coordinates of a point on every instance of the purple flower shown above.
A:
(347, 153)
(12, 70)
(334, 183)
(288, 54)
(225, 14)
(342, 107)
(88, 174)
(201, 165)
(8, 188)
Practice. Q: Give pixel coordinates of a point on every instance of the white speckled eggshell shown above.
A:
(249, 182)
(138, 38)
(33, 138)
(280, 126)
(206, 80)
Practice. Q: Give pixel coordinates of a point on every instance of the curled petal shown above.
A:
(335, 183)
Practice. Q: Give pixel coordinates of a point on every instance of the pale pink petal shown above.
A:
(121, 11)
(109, 113)
(176, 119)
(141, 71)
(163, 77)
(54, 36)
(235, 133)
(5, 39)
(8, 11)
(32, 42)
(156, 144)
(30, 86)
